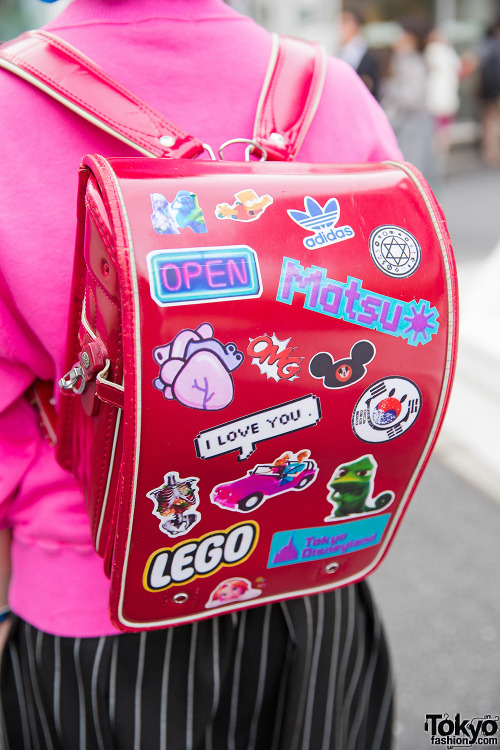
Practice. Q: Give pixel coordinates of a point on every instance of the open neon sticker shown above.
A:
(203, 275)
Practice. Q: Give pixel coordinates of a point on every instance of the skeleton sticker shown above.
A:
(195, 369)
(232, 590)
(175, 502)
(248, 206)
(352, 486)
(345, 371)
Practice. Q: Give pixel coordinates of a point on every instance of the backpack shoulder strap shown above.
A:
(290, 96)
(288, 101)
(64, 73)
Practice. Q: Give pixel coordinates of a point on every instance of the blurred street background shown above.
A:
(438, 588)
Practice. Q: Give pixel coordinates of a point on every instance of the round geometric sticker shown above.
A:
(394, 251)
(386, 410)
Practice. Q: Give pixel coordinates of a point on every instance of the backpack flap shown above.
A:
(287, 335)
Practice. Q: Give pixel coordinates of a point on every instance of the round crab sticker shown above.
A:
(394, 251)
(386, 410)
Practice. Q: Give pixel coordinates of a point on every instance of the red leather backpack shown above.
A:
(260, 354)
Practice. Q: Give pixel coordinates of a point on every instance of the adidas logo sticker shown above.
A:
(321, 221)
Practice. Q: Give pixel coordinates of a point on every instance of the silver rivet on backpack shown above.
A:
(277, 138)
(332, 568)
(167, 140)
(181, 598)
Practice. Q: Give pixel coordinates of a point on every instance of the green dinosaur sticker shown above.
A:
(352, 489)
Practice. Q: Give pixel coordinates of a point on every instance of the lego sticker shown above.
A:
(394, 251)
(321, 221)
(288, 472)
(232, 590)
(415, 322)
(311, 545)
(244, 433)
(192, 558)
(184, 211)
(248, 206)
(195, 369)
(175, 502)
(274, 357)
(352, 486)
(386, 410)
(200, 275)
(345, 371)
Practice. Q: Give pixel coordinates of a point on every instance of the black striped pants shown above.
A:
(307, 674)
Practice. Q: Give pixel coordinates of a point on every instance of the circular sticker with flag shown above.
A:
(386, 410)
(394, 251)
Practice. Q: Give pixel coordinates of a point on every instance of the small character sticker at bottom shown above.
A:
(232, 590)
(352, 489)
(175, 502)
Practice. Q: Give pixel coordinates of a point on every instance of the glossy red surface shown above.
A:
(324, 330)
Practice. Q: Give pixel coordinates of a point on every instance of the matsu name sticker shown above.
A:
(307, 545)
(415, 322)
(386, 410)
(191, 275)
(243, 434)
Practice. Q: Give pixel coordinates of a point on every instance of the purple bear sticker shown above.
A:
(195, 369)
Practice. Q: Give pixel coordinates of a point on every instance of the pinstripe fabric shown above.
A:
(307, 674)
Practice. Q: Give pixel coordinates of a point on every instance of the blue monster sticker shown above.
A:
(184, 211)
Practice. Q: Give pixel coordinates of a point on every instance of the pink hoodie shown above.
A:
(202, 65)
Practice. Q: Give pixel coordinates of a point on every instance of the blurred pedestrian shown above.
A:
(404, 96)
(444, 68)
(489, 94)
(355, 49)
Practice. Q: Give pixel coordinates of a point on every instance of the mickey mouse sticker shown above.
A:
(345, 371)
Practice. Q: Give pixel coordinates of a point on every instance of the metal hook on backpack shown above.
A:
(251, 146)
